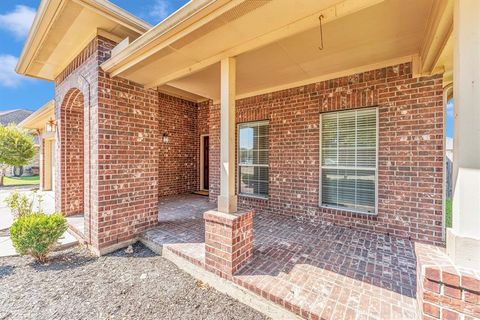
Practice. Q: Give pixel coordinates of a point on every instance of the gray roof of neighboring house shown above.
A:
(13, 116)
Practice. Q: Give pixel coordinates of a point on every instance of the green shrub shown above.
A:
(21, 204)
(36, 234)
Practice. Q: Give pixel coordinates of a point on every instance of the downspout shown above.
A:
(446, 91)
(89, 162)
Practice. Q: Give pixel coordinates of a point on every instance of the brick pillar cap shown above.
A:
(226, 218)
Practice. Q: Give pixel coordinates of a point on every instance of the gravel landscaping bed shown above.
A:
(141, 285)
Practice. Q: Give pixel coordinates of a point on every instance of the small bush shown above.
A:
(19, 204)
(36, 234)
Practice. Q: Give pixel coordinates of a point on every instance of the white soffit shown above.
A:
(236, 27)
(63, 28)
(387, 33)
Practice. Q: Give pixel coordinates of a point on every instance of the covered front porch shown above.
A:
(313, 270)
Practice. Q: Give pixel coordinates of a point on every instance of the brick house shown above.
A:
(320, 113)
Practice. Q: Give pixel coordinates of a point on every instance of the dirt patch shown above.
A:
(141, 285)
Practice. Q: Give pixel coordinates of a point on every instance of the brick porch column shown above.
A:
(228, 241)
(228, 234)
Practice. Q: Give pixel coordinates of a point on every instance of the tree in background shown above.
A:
(16, 148)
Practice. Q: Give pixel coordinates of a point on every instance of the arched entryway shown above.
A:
(72, 158)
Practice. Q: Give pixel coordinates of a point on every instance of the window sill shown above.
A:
(363, 213)
(251, 196)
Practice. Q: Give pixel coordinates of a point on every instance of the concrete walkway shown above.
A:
(6, 217)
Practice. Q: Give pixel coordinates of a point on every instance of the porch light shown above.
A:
(165, 138)
(51, 125)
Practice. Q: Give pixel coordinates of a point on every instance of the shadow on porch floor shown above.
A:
(316, 270)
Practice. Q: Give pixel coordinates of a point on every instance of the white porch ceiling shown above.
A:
(389, 31)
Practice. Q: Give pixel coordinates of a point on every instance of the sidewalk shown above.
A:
(6, 217)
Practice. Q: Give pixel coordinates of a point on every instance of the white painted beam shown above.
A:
(463, 239)
(227, 201)
(440, 27)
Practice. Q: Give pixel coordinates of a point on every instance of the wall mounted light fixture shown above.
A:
(51, 126)
(165, 138)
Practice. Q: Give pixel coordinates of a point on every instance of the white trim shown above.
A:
(320, 204)
(202, 163)
(50, 10)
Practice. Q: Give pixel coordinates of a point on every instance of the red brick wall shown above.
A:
(80, 78)
(127, 167)
(178, 163)
(128, 158)
(410, 149)
(121, 142)
(72, 153)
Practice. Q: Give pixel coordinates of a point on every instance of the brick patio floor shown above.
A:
(317, 271)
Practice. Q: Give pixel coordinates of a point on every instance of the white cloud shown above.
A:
(450, 108)
(160, 10)
(18, 21)
(8, 76)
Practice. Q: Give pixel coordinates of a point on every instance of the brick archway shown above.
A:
(72, 158)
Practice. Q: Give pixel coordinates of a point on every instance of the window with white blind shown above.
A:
(253, 159)
(348, 154)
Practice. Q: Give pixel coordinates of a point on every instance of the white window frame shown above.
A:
(320, 204)
(252, 123)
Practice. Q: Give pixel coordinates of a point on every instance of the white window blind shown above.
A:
(253, 159)
(349, 160)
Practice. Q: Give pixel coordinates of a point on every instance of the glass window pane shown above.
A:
(329, 139)
(253, 180)
(349, 142)
(366, 158)
(253, 158)
(329, 186)
(346, 157)
(367, 138)
(329, 157)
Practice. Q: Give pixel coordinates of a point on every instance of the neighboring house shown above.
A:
(42, 123)
(15, 117)
(331, 112)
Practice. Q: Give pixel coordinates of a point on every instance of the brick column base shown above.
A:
(443, 290)
(228, 241)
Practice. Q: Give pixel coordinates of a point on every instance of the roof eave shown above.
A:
(190, 13)
(30, 121)
(48, 11)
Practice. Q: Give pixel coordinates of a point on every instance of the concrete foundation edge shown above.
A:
(112, 248)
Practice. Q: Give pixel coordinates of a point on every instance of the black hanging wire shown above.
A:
(320, 17)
